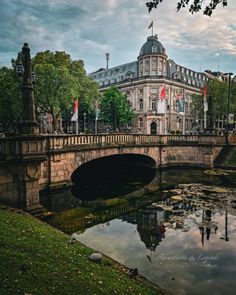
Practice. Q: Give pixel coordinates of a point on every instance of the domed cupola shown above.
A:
(152, 58)
(152, 46)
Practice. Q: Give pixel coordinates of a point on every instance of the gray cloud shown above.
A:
(88, 29)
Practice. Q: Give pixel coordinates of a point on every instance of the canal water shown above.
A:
(177, 226)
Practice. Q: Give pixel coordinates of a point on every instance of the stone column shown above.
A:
(28, 124)
(29, 186)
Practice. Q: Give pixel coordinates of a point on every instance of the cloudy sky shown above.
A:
(86, 29)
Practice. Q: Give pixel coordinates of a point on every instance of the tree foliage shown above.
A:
(115, 108)
(194, 6)
(60, 80)
(10, 98)
(218, 91)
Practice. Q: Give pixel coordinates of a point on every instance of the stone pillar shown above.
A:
(28, 124)
(29, 186)
(20, 162)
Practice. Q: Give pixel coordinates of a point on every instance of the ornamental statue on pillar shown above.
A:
(27, 124)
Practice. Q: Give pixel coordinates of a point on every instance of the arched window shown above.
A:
(153, 128)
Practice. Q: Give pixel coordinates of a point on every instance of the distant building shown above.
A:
(142, 80)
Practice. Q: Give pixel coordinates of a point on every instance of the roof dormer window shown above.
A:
(154, 49)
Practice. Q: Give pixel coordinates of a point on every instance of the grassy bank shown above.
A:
(37, 259)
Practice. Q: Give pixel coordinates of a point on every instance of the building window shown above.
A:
(140, 123)
(176, 106)
(154, 49)
(141, 104)
(154, 104)
(186, 108)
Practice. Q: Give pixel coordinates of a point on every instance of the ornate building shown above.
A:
(143, 80)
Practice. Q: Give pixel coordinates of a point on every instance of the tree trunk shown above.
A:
(55, 123)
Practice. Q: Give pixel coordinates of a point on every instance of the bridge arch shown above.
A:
(140, 159)
(113, 175)
(90, 155)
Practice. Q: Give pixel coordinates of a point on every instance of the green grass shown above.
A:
(38, 259)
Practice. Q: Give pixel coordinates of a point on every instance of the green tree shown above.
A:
(54, 90)
(60, 81)
(115, 108)
(194, 6)
(10, 98)
(218, 91)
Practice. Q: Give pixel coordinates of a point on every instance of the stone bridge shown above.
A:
(32, 163)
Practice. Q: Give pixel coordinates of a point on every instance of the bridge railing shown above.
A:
(58, 142)
(15, 147)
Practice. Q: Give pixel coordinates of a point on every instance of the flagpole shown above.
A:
(205, 106)
(165, 123)
(169, 125)
(77, 124)
(183, 112)
(152, 29)
(205, 116)
(184, 123)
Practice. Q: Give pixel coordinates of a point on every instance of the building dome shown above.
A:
(152, 46)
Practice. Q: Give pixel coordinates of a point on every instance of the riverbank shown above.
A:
(37, 259)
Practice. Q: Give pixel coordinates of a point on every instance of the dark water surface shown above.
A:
(179, 229)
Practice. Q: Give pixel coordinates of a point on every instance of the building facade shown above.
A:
(142, 81)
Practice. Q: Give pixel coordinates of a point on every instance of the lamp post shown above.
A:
(228, 105)
(28, 124)
(96, 116)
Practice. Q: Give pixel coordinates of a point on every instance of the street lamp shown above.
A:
(28, 124)
(228, 105)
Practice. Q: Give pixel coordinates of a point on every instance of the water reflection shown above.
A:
(179, 230)
(170, 256)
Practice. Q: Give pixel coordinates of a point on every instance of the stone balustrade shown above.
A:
(17, 147)
(58, 142)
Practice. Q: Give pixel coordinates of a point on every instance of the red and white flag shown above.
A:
(163, 92)
(75, 115)
(205, 103)
(204, 90)
(162, 102)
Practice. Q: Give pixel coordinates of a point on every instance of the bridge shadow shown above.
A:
(112, 176)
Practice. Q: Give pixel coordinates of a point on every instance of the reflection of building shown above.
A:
(150, 228)
(142, 81)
